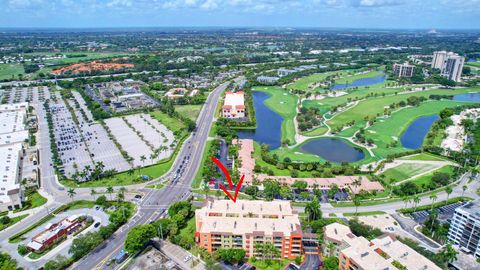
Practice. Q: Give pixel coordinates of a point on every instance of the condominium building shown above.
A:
(234, 105)
(465, 228)
(449, 63)
(382, 253)
(246, 224)
(403, 70)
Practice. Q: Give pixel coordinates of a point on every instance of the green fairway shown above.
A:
(425, 179)
(407, 170)
(326, 104)
(424, 156)
(385, 131)
(473, 64)
(316, 132)
(375, 107)
(305, 83)
(284, 104)
(10, 71)
(349, 79)
(190, 111)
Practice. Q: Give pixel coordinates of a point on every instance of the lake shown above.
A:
(469, 97)
(359, 83)
(334, 150)
(269, 123)
(413, 137)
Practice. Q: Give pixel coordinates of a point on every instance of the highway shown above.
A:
(155, 201)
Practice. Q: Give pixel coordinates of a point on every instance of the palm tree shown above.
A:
(123, 190)
(464, 188)
(356, 183)
(405, 200)
(416, 200)
(71, 192)
(110, 191)
(433, 197)
(93, 192)
(331, 248)
(356, 201)
(142, 159)
(206, 189)
(449, 191)
(312, 209)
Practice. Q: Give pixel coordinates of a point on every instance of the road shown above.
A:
(312, 262)
(155, 201)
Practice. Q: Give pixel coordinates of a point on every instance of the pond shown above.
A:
(359, 83)
(334, 150)
(469, 97)
(413, 137)
(269, 123)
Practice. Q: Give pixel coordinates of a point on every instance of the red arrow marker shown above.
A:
(230, 183)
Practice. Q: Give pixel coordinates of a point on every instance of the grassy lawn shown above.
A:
(13, 220)
(80, 204)
(284, 104)
(191, 111)
(372, 213)
(34, 199)
(171, 123)
(157, 186)
(305, 82)
(375, 106)
(316, 132)
(9, 71)
(425, 179)
(407, 170)
(424, 156)
(199, 176)
(473, 64)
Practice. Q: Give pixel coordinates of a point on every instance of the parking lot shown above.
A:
(141, 136)
(27, 94)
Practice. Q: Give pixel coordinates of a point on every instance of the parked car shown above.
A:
(96, 225)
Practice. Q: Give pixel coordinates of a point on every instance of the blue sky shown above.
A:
(411, 14)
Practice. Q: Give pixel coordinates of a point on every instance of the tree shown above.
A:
(449, 191)
(71, 193)
(433, 197)
(330, 263)
(267, 250)
(300, 185)
(464, 188)
(81, 246)
(312, 209)
(416, 200)
(142, 159)
(138, 237)
(356, 201)
(177, 207)
(93, 192)
(110, 191)
(231, 255)
(101, 200)
(448, 253)
(271, 189)
(252, 191)
(22, 250)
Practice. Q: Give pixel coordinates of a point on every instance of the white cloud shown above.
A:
(379, 3)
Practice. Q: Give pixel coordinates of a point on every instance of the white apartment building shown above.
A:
(234, 105)
(465, 228)
(449, 63)
(403, 70)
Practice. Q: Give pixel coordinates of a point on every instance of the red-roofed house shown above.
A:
(234, 105)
